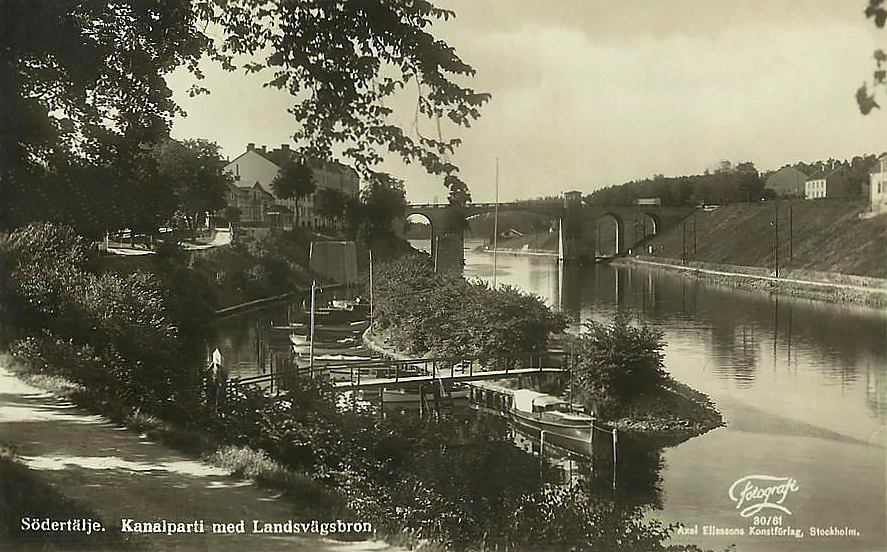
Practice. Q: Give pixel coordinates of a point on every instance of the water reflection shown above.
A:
(802, 385)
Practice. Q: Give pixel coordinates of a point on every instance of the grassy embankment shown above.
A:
(827, 241)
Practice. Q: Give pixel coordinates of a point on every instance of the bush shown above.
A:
(136, 338)
(617, 362)
(445, 315)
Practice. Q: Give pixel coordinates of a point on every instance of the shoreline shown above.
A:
(663, 428)
(527, 253)
(845, 289)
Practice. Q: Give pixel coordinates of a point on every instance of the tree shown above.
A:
(294, 181)
(83, 86)
(342, 61)
(383, 201)
(867, 100)
(195, 171)
(84, 83)
(330, 203)
(618, 362)
(232, 213)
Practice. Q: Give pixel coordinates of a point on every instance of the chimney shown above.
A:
(285, 147)
(251, 146)
(263, 148)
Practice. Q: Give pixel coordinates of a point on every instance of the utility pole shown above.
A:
(694, 234)
(684, 243)
(776, 231)
(496, 225)
(791, 239)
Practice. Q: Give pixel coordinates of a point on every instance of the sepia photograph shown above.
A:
(443, 275)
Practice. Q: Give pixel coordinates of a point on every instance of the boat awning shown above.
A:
(524, 399)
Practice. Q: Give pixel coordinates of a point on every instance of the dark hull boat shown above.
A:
(534, 413)
(413, 396)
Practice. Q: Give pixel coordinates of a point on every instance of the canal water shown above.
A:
(801, 384)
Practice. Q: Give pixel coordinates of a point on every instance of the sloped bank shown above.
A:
(822, 286)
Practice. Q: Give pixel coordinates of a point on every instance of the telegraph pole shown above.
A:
(776, 231)
(684, 242)
(496, 225)
(791, 240)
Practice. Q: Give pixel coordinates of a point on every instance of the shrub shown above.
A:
(616, 362)
(134, 337)
(443, 314)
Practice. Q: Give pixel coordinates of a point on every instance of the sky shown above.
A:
(590, 93)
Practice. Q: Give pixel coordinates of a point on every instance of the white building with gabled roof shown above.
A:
(255, 169)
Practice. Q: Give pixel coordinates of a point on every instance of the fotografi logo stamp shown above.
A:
(754, 493)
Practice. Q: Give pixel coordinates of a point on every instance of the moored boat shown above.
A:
(562, 424)
(414, 396)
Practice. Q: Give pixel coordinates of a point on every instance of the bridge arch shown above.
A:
(412, 219)
(610, 234)
(622, 228)
(654, 221)
(542, 221)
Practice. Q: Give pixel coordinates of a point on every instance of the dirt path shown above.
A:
(120, 475)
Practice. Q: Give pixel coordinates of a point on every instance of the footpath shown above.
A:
(121, 475)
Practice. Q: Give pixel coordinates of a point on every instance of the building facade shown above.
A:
(878, 185)
(255, 169)
(787, 182)
(830, 183)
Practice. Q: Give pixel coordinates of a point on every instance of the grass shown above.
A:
(309, 497)
(826, 236)
(23, 494)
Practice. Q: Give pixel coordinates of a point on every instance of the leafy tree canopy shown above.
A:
(294, 181)
(866, 98)
(382, 201)
(331, 203)
(194, 170)
(83, 82)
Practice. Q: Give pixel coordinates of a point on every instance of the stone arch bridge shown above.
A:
(577, 223)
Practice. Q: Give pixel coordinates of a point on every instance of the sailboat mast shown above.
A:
(311, 332)
(371, 288)
(496, 225)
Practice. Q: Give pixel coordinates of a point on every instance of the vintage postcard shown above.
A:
(389, 275)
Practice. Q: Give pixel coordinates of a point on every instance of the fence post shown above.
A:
(542, 452)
